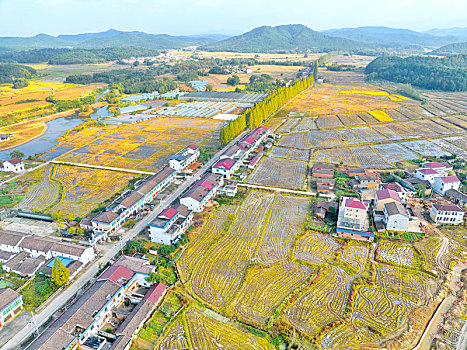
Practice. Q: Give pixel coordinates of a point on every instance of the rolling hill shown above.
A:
(110, 38)
(459, 32)
(451, 49)
(391, 37)
(290, 37)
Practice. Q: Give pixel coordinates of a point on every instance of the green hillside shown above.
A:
(9, 72)
(290, 37)
(451, 49)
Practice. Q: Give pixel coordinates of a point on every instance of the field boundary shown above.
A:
(102, 167)
(277, 189)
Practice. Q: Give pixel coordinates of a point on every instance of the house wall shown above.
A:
(440, 187)
(397, 222)
(11, 310)
(446, 217)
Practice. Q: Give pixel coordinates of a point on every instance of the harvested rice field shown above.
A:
(140, 146)
(394, 152)
(336, 156)
(277, 172)
(426, 148)
(368, 159)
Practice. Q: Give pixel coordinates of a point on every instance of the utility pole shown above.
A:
(33, 323)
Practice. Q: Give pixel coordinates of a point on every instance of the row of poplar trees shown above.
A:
(256, 115)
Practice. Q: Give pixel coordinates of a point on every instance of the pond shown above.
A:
(47, 141)
(102, 112)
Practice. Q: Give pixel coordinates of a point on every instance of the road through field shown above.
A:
(90, 273)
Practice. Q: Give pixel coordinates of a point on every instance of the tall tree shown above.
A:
(60, 274)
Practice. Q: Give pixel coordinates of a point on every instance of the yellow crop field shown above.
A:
(70, 191)
(392, 97)
(142, 146)
(326, 99)
(382, 116)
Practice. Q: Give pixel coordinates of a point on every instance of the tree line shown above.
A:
(432, 73)
(256, 115)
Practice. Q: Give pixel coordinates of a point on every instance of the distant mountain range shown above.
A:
(293, 37)
(284, 37)
(110, 38)
(393, 38)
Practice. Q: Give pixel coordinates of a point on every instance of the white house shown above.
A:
(225, 167)
(200, 193)
(441, 168)
(395, 217)
(447, 214)
(426, 174)
(444, 183)
(403, 192)
(352, 220)
(14, 165)
(183, 158)
(170, 224)
(11, 303)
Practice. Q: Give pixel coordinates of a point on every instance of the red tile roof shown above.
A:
(117, 273)
(433, 165)
(447, 207)
(355, 203)
(449, 179)
(226, 163)
(193, 147)
(204, 183)
(384, 194)
(427, 171)
(154, 293)
(250, 140)
(15, 161)
(168, 213)
(392, 186)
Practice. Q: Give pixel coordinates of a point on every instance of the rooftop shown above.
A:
(449, 179)
(395, 208)
(15, 161)
(355, 203)
(117, 273)
(433, 165)
(427, 171)
(385, 194)
(7, 296)
(106, 217)
(447, 207)
(11, 238)
(226, 163)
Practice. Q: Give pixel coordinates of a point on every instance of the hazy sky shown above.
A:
(29, 17)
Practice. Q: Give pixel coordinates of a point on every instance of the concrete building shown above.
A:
(395, 217)
(183, 158)
(444, 183)
(14, 165)
(365, 181)
(385, 196)
(170, 224)
(457, 197)
(443, 169)
(352, 220)
(196, 198)
(83, 324)
(447, 214)
(225, 167)
(404, 193)
(11, 304)
(426, 174)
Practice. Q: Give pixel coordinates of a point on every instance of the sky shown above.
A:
(187, 17)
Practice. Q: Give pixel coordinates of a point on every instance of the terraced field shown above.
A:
(316, 248)
(41, 196)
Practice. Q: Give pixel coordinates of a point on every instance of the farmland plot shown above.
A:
(174, 339)
(329, 122)
(346, 336)
(404, 130)
(40, 196)
(285, 223)
(265, 288)
(367, 158)
(307, 124)
(325, 138)
(393, 152)
(435, 125)
(322, 303)
(195, 251)
(351, 119)
(289, 125)
(369, 134)
(456, 120)
(299, 154)
(336, 155)
(396, 115)
(426, 148)
(450, 125)
(355, 255)
(397, 253)
(296, 140)
(460, 152)
(388, 132)
(278, 151)
(350, 136)
(316, 248)
(277, 172)
(220, 274)
(411, 285)
(205, 332)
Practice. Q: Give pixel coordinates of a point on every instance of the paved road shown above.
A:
(92, 270)
(103, 167)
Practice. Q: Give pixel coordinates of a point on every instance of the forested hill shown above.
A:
(290, 37)
(446, 74)
(10, 72)
(75, 56)
(451, 49)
